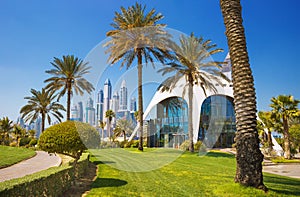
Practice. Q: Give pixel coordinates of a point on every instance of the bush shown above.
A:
(198, 145)
(33, 142)
(70, 138)
(185, 145)
(25, 141)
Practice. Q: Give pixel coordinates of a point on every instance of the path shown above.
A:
(41, 161)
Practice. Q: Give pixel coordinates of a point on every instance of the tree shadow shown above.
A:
(108, 182)
(219, 154)
(282, 185)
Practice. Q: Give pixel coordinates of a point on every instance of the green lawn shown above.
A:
(182, 175)
(11, 155)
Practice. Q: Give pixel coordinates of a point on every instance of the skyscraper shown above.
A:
(115, 102)
(106, 96)
(90, 112)
(123, 96)
(80, 111)
(99, 107)
(74, 113)
(133, 104)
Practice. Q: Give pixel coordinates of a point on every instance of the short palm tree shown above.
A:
(102, 125)
(68, 76)
(123, 127)
(249, 157)
(193, 64)
(137, 35)
(268, 124)
(42, 103)
(6, 126)
(18, 132)
(285, 108)
(109, 114)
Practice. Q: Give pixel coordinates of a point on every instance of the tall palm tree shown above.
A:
(194, 65)
(285, 108)
(109, 114)
(249, 157)
(137, 35)
(6, 126)
(102, 125)
(42, 103)
(68, 77)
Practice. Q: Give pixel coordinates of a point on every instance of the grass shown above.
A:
(282, 160)
(12, 155)
(186, 175)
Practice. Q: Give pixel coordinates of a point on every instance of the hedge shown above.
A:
(51, 182)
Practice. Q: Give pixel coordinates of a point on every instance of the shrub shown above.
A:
(185, 145)
(70, 138)
(24, 141)
(198, 145)
(33, 142)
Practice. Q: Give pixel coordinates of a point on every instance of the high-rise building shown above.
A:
(74, 113)
(99, 107)
(80, 111)
(133, 104)
(123, 96)
(106, 96)
(38, 127)
(90, 112)
(115, 102)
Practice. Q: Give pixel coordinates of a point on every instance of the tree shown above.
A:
(67, 77)
(192, 63)
(285, 108)
(102, 125)
(268, 124)
(42, 103)
(109, 114)
(249, 157)
(123, 127)
(137, 35)
(6, 126)
(69, 138)
(18, 133)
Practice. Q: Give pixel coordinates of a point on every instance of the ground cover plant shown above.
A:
(188, 175)
(11, 155)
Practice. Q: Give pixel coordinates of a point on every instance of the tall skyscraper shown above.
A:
(99, 107)
(133, 104)
(80, 111)
(123, 96)
(74, 113)
(106, 96)
(90, 112)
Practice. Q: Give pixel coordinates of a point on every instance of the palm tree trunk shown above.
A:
(108, 129)
(140, 96)
(69, 99)
(270, 140)
(286, 137)
(249, 157)
(43, 122)
(191, 136)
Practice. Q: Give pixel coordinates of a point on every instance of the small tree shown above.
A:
(69, 138)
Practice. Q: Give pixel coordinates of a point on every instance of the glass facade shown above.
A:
(217, 121)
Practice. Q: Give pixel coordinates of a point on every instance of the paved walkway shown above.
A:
(290, 170)
(41, 161)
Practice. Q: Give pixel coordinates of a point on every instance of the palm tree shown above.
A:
(19, 132)
(266, 119)
(249, 157)
(137, 35)
(194, 65)
(67, 77)
(285, 108)
(42, 103)
(109, 114)
(102, 125)
(123, 127)
(6, 127)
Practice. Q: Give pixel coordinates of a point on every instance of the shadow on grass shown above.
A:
(219, 154)
(282, 185)
(108, 182)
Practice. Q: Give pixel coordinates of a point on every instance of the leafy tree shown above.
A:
(123, 127)
(249, 157)
(69, 138)
(283, 109)
(193, 64)
(109, 114)
(6, 126)
(136, 35)
(68, 77)
(41, 103)
(295, 137)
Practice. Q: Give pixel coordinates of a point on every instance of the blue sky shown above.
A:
(33, 32)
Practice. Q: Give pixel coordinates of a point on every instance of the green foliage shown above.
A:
(11, 155)
(185, 145)
(33, 142)
(25, 141)
(295, 137)
(283, 160)
(70, 138)
(51, 182)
